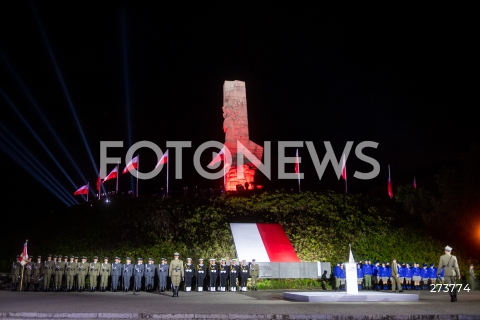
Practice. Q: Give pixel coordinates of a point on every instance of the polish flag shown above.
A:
(163, 159)
(113, 174)
(344, 168)
(390, 192)
(297, 164)
(219, 157)
(24, 255)
(99, 182)
(133, 164)
(266, 242)
(414, 183)
(82, 190)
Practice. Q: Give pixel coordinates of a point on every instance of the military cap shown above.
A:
(189, 258)
(176, 254)
(424, 264)
(367, 260)
(105, 258)
(95, 257)
(76, 257)
(128, 258)
(55, 256)
(223, 259)
(117, 258)
(431, 264)
(139, 259)
(84, 257)
(49, 255)
(376, 261)
(201, 259)
(212, 259)
(39, 257)
(150, 259)
(66, 257)
(448, 248)
(253, 260)
(339, 263)
(72, 257)
(163, 259)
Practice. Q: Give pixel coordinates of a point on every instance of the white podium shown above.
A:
(351, 272)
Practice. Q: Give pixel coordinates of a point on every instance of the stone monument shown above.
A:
(235, 127)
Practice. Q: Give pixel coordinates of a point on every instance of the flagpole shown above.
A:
(88, 189)
(138, 167)
(118, 173)
(168, 162)
(23, 269)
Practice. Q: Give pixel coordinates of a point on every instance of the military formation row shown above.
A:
(70, 274)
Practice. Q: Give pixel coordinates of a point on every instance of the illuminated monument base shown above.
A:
(233, 179)
(362, 296)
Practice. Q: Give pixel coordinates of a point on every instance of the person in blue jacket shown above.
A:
(425, 276)
(432, 274)
(383, 274)
(402, 273)
(359, 276)
(336, 274)
(376, 275)
(367, 270)
(343, 276)
(408, 276)
(416, 276)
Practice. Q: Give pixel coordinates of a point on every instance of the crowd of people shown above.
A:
(57, 273)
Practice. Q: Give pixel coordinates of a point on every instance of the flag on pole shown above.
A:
(133, 164)
(344, 168)
(113, 174)
(24, 255)
(163, 159)
(350, 257)
(390, 192)
(219, 157)
(414, 183)
(82, 190)
(297, 164)
(99, 182)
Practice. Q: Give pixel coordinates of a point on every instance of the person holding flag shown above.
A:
(16, 267)
(27, 274)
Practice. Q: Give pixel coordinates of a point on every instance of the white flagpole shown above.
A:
(138, 167)
(168, 162)
(118, 173)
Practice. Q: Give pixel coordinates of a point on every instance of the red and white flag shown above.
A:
(219, 157)
(82, 190)
(24, 255)
(297, 164)
(163, 159)
(344, 168)
(99, 183)
(113, 174)
(414, 183)
(133, 164)
(390, 192)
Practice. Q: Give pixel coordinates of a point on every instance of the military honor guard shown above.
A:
(16, 270)
(105, 270)
(138, 272)
(127, 274)
(223, 274)
(200, 275)
(189, 273)
(93, 273)
(359, 276)
(367, 270)
(150, 270)
(233, 275)
(65, 261)
(59, 273)
(176, 273)
(471, 277)
(212, 275)
(54, 258)
(71, 269)
(48, 267)
(28, 274)
(162, 273)
(244, 275)
(82, 272)
(116, 272)
(396, 282)
(254, 273)
(37, 273)
(75, 278)
(449, 263)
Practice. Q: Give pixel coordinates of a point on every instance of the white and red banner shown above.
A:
(113, 174)
(264, 242)
(133, 164)
(219, 157)
(163, 159)
(82, 190)
(344, 168)
(24, 255)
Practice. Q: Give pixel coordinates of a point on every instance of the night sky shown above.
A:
(401, 76)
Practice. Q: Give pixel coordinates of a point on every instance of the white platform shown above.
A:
(362, 296)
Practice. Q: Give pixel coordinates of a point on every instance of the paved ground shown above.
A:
(261, 304)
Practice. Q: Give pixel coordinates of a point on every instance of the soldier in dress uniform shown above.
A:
(233, 275)
(149, 274)
(75, 277)
(54, 258)
(176, 273)
(200, 275)
(254, 273)
(116, 273)
(82, 272)
(162, 273)
(64, 283)
(28, 273)
(16, 267)
(189, 273)
(223, 274)
(47, 272)
(138, 272)
(127, 274)
(471, 277)
(105, 270)
(71, 269)
(93, 273)
(449, 263)
(244, 275)
(396, 282)
(213, 274)
(59, 272)
(37, 273)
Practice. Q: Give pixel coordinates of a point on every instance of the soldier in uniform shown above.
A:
(54, 258)
(82, 272)
(116, 273)
(471, 277)
(189, 273)
(16, 267)
(213, 274)
(233, 275)
(223, 274)
(37, 273)
(75, 277)
(47, 272)
(162, 273)
(138, 272)
(449, 263)
(244, 275)
(127, 274)
(64, 283)
(149, 274)
(254, 273)
(59, 272)
(176, 273)
(71, 269)
(200, 275)
(105, 270)
(28, 273)
(396, 282)
(93, 273)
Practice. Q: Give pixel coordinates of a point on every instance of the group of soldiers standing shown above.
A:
(70, 274)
